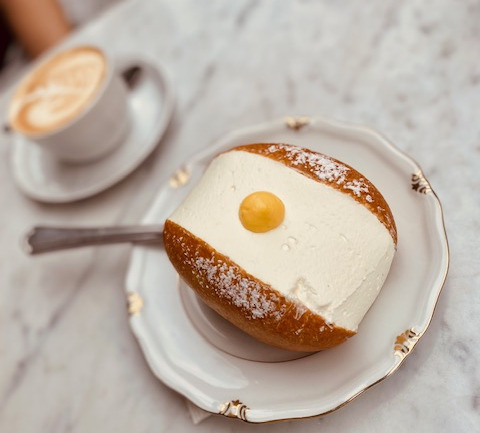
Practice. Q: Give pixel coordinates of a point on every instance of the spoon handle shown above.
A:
(44, 239)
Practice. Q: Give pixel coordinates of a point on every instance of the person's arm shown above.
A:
(37, 24)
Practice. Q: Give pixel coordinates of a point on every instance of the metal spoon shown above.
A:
(45, 239)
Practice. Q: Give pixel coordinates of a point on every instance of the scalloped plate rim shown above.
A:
(434, 292)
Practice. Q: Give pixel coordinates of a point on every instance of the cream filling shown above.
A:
(330, 253)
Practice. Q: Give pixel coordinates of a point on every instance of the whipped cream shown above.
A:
(330, 254)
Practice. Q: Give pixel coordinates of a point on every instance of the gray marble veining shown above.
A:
(68, 361)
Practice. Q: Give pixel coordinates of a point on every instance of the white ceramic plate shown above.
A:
(42, 177)
(224, 371)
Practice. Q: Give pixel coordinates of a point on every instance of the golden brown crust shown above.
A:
(245, 301)
(331, 172)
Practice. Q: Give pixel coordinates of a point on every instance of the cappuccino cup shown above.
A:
(74, 104)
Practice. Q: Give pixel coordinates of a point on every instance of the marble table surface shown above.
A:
(68, 360)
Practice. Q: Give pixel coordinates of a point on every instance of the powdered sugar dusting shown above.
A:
(357, 186)
(241, 292)
(227, 281)
(325, 168)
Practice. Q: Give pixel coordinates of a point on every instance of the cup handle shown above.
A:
(132, 71)
(137, 72)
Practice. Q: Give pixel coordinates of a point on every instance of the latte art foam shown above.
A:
(57, 91)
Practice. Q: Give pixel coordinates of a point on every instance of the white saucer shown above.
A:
(222, 370)
(42, 177)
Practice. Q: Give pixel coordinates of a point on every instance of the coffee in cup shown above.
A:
(73, 104)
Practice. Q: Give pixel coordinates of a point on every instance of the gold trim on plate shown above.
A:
(405, 342)
(134, 303)
(234, 409)
(180, 177)
(296, 123)
(420, 183)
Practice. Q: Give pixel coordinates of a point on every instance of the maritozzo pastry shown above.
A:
(290, 245)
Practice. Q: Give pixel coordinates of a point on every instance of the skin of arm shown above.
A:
(37, 24)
